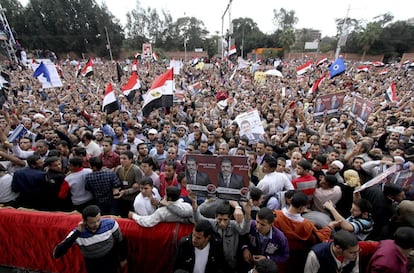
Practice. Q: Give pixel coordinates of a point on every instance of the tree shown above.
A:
(68, 25)
(284, 20)
(246, 33)
(287, 39)
(367, 38)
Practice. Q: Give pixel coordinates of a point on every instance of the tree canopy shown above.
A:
(80, 26)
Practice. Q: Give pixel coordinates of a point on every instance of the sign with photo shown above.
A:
(328, 104)
(251, 126)
(360, 109)
(225, 177)
(146, 50)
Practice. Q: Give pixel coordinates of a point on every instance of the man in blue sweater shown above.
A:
(341, 255)
(99, 240)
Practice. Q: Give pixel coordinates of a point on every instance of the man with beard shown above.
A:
(142, 152)
(132, 140)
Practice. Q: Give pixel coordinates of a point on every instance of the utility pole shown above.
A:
(108, 45)
(222, 29)
(343, 36)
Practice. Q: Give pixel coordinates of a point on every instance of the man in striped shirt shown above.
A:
(99, 241)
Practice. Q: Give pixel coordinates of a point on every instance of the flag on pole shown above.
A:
(110, 103)
(242, 63)
(383, 71)
(160, 94)
(17, 133)
(362, 68)
(233, 50)
(130, 88)
(135, 65)
(303, 68)
(42, 70)
(391, 93)
(315, 86)
(337, 67)
(119, 72)
(321, 61)
(155, 56)
(378, 64)
(87, 70)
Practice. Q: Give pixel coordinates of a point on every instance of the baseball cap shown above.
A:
(152, 132)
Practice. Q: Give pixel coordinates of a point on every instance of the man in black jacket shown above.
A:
(201, 251)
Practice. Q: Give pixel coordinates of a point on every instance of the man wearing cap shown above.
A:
(334, 168)
(152, 137)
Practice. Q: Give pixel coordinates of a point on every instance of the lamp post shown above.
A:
(343, 36)
(222, 29)
(185, 49)
(108, 45)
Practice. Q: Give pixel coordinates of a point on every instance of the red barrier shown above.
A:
(27, 239)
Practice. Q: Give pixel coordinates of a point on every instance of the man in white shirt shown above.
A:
(201, 252)
(174, 210)
(273, 182)
(147, 200)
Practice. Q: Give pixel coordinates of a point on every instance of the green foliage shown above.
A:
(66, 25)
(79, 26)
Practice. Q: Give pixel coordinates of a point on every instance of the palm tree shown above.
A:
(367, 37)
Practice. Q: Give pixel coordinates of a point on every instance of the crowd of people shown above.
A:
(305, 212)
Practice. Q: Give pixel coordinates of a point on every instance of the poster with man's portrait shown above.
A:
(251, 126)
(328, 104)
(146, 50)
(360, 109)
(224, 177)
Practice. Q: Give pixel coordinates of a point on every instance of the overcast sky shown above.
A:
(317, 14)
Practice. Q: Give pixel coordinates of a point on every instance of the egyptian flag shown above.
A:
(155, 56)
(315, 86)
(160, 94)
(110, 103)
(130, 88)
(303, 68)
(391, 93)
(363, 68)
(233, 50)
(87, 70)
(119, 72)
(59, 71)
(383, 71)
(321, 61)
(378, 64)
(134, 66)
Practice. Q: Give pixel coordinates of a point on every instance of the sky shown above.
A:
(316, 14)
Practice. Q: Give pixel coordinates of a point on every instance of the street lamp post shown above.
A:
(185, 49)
(108, 45)
(222, 28)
